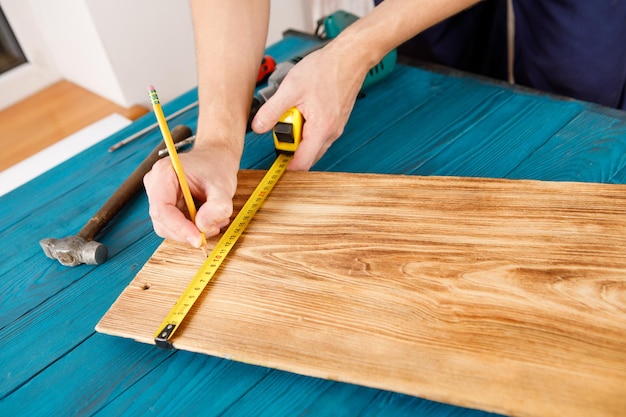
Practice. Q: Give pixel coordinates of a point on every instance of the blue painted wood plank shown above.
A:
(121, 379)
(66, 319)
(197, 382)
(40, 277)
(404, 92)
(258, 151)
(403, 405)
(298, 396)
(590, 148)
(311, 396)
(501, 140)
(419, 135)
(85, 379)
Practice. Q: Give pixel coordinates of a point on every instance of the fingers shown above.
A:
(218, 185)
(164, 196)
(209, 182)
(321, 128)
(214, 214)
(316, 141)
(325, 99)
(268, 114)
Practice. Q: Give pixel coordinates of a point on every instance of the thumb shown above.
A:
(269, 113)
(214, 214)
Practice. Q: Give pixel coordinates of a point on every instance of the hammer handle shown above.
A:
(128, 189)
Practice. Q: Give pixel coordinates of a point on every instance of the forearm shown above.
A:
(230, 40)
(390, 24)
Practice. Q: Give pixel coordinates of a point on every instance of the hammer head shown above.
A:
(74, 250)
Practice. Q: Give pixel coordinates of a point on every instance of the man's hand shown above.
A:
(323, 86)
(212, 178)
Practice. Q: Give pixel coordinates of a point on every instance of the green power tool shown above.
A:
(332, 25)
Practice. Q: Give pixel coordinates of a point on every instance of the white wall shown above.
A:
(151, 43)
(289, 14)
(115, 48)
(321, 8)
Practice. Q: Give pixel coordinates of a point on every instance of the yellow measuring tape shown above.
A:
(287, 135)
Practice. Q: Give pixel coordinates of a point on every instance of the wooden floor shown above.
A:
(51, 115)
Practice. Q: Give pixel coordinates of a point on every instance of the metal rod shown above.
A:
(149, 128)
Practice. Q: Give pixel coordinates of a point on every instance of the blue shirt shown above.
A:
(575, 48)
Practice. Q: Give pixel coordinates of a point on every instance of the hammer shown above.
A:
(81, 248)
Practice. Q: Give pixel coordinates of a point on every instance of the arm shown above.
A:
(325, 84)
(230, 40)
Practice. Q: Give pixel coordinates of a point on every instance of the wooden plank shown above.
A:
(503, 295)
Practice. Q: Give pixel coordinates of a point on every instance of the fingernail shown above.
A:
(258, 126)
(212, 231)
(194, 241)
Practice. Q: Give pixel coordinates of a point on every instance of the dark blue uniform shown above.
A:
(575, 48)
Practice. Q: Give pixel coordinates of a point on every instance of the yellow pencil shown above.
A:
(178, 168)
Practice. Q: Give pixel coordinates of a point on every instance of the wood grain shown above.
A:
(503, 295)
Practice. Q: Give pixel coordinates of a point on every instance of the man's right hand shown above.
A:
(212, 177)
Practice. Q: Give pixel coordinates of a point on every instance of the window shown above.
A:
(11, 55)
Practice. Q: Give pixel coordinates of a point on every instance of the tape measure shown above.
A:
(288, 131)
(287, 134)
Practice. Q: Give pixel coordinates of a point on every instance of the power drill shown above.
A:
(332, 25)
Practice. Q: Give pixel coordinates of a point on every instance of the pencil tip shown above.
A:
(204, 246)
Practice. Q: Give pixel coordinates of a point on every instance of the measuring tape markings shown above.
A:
(176, 315)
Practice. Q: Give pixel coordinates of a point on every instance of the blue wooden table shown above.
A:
(418, 122)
